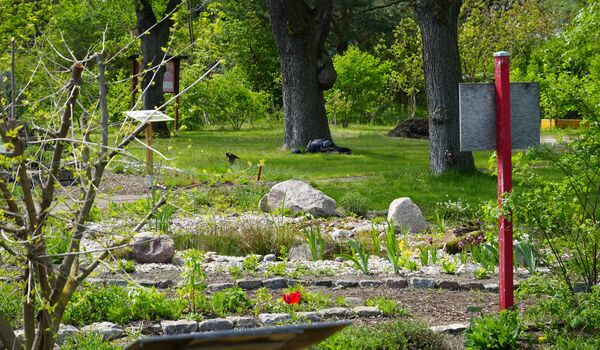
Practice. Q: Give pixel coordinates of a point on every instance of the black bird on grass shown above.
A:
(231, 157)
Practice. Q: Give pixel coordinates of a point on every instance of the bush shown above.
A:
(230, 300)
(393, 335)
(500, 331)
(355, 203)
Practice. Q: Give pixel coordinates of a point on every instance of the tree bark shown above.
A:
(300, 28)
(153, 45)
(438, 21)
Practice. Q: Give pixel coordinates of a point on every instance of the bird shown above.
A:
(231, 157)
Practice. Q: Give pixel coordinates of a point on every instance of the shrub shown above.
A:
(230, 300)
(500, 331)
(355, 203)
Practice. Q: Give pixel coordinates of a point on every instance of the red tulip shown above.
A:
(291, 298)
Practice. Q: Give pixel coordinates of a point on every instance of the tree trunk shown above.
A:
(438, 21)
(152, 46)
(300, 31)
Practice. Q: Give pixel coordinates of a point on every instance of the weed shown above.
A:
(358, 257)
(193, 277)
(389, 307)
(228, 301)
(355, 203)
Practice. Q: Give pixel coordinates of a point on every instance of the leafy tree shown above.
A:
(300, 29)
(361, 84)
(438, 21)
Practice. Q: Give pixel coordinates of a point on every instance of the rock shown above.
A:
(179, 327)
(448, 284)
(158, 284)
(341, 236)
(215, 324)
(155, 249)
(419, 282)
(247, 284)
(346, 284)
(370, 283)
(219, 286)
(144, 327)
(270, 319)
(404, 213)
(491, 287)
(335, 312)
(275, 283)
(414, 128)
(300, 252)
(454, 328)
(270, 257)
(244, 322)
(298, 196)
(65, 331)
(308, 316)
(396, 282)
(472, 286)
(354, 301)
(367, 311)
(323, 283)
(107, 330)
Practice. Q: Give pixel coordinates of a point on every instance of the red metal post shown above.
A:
(504, 153)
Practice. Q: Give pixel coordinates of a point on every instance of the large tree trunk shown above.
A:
(438, 20)
(300, 31)
(152, 46)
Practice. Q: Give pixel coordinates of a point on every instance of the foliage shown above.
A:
(316, 242)
(250, 263)
(389, 307)
(355, 203)
(10, 301)
(127, 266)
(527, 253)
(392, 248)
(193, 277)
(449, 266)
(227, 99)
(359, 88)
(563, 214)
(501, 331)
(87, 341)
(228, 301)
(358, 256)
(392, 335)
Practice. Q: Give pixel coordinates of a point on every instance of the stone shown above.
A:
(275, 283)
(271, 319)
(354, 301)
(107, 330)
(65, 331)
(472, 286)
(419, 282)
(367, 311)
(370, 283)
(455, 328)
(322, 283)
(144, 327)
(248, 284)
(147, 248)
(244, 321)
(396, 282)
(491, 287)
(308, 316)
(270, 257)
(179, 327)
(404, 213)
(219, 286)
(298, 196)
(341, 236)
(300, 252)
(215, 324)
(346, 284)
(448, 284)
(335, 312)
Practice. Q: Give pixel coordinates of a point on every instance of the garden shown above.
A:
(235, 232)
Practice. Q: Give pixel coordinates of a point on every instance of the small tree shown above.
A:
(360, 86)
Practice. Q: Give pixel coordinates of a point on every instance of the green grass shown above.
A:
(381, 168)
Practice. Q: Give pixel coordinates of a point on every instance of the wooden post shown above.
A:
(149, 160)
(260, 167)
(504, 154)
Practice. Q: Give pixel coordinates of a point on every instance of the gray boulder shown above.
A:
(404, 213)
(298, 196)
(148, 248)
(107, 330)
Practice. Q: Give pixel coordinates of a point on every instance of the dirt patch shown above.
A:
(414, 128)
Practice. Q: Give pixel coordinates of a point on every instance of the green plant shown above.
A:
(389, 307)
(262, 301)
(235, 271)
(485, 254)
(250, 263)
(87, 341)
(127, 266)
(358, 256)
(409, 264)
(316, 242)
(526, 252)
(229, 300)
(481, 273)
(499, 331)
(376, 244)
(449, 266)
(392, 249)
(193, 277)
(10, 301)
(276, 269)
(355, 203)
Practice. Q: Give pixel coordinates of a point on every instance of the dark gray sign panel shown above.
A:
(478, 116)
(276, 338)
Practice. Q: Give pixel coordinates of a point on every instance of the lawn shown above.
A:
(380, 168)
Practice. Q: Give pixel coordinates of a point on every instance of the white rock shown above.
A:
(404, 213)
(107, 330)
(341, 235)
(298, 196)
